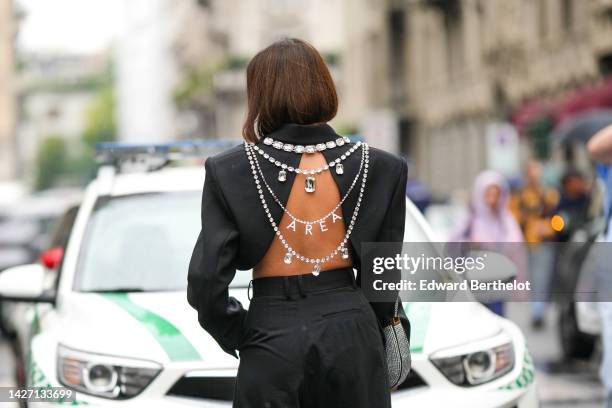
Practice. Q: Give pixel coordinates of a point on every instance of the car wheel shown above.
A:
(574, 343)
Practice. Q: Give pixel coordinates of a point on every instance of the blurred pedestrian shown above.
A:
(489, 220)
(534, 205)
(419, 193)
(573, 207)
(600, 148)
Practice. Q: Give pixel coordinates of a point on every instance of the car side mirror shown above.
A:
(24, 283)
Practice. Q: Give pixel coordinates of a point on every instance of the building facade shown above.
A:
(8, 111)
(145, 72)
(458, 66)
(433, 80)
(229, 32)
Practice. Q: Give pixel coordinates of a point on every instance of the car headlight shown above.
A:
(104, 376)
(482, 365)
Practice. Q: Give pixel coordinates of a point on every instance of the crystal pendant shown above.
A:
(339, 169)
(345, 253)
(287, 258)
(309, 185)
(282, 176)
(317, 269)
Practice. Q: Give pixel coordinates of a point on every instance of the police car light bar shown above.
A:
(117, 152)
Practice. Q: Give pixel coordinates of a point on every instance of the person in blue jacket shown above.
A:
(600, 148)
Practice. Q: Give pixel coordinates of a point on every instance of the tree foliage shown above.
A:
(55, 160)
(51, 159)
(100, 126)
(100, 123)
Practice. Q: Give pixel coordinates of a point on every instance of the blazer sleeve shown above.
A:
(392, 230)
(213, 267)
(392, 227)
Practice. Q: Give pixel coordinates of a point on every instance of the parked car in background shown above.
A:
(10, 193)
(26, 226)
(51, 260)
(111, 321)
(578, 340)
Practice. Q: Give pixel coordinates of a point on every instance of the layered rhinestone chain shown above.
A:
(336, 162)
(278, 145)
(330, 213)
(290, 252)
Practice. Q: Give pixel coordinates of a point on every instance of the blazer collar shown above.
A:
(304, 134)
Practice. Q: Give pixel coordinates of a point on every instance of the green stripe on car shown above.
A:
(35, 377)
(174, 343)
(526, 375)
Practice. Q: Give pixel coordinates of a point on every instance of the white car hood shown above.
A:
(156, 326)
(436, 326)
(162, 327)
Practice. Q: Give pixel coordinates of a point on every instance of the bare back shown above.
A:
(317, 241)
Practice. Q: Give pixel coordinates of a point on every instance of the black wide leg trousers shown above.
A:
(311, 342)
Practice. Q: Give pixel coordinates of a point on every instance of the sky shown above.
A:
(68, 26)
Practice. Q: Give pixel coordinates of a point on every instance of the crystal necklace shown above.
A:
(290, 251)
(309, 224)
(278, 145)
(310, 180)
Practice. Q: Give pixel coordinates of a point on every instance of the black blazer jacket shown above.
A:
(236, 233)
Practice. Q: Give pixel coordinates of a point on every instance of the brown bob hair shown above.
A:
(287, 82)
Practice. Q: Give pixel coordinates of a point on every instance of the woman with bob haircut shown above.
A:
(294, 203)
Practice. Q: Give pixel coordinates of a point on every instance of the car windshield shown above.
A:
(418, 241)
(142, 243)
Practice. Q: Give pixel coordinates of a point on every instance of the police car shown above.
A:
(106, 315)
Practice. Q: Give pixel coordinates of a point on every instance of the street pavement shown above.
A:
(6, 370)
(560, 384)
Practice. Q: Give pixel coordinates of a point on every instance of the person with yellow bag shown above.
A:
(534, 208)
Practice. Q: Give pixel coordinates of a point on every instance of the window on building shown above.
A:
(605, 65)
(397, 43)
(567, 15)
(285, 6)
(543, 18)
(406, 138)
(607, 15)
(53, 112)
(453, 30)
